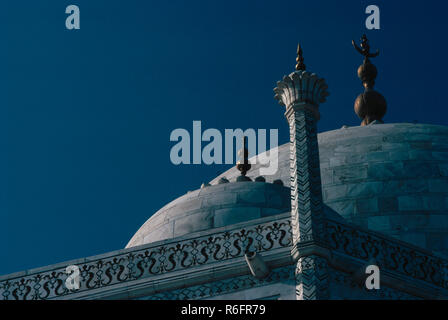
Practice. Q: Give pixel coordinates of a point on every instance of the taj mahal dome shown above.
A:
(341, 200)
(390, 178)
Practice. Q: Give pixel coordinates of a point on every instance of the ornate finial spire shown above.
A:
(301, 87)
(301, 92)
(300, 65)
(243, 164)
(369, 106)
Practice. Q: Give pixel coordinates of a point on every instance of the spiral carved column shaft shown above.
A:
(306, 203)
(301, 92)
(306, 186)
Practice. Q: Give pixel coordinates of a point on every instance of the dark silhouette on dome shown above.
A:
(243, 164)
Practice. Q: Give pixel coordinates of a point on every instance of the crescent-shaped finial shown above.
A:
(364, 50)
(357, 48)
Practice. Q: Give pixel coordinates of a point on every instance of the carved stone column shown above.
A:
(301, 92)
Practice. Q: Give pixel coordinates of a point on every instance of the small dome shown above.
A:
(215, 206)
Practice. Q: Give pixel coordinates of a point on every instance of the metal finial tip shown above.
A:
(243, 164)
(300, 65)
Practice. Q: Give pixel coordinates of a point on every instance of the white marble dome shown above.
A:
(214, 206)
(391, 178)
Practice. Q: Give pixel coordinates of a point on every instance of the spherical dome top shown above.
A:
(371, 105)
(391, 178)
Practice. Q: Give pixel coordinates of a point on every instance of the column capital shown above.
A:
(301, 89)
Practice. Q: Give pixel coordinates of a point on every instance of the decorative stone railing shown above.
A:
(390, 255)
(156, 259)
(146, 261)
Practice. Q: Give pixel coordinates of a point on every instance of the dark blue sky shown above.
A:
(86, 115)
